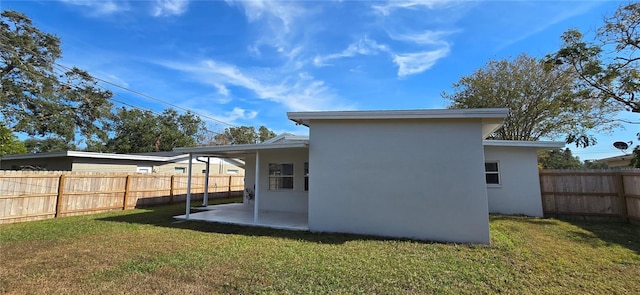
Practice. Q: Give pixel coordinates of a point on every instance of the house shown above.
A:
(618, 162)
(160, 162)
(418, 174)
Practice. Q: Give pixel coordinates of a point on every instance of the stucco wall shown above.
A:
(519, 189)
(295, 200)
(421, 179)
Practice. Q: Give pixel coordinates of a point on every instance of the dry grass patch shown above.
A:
(146, 251)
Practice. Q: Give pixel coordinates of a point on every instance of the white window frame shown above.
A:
(499, 184)
(276, 178)
(144, 169)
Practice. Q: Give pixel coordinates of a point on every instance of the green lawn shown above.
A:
(145, 251)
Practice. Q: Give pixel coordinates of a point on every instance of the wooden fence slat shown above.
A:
(606, 193)
(31, 196)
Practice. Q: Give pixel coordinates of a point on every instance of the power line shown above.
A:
(123, 87)
(61, 70)
(150, 97)
(122, 102)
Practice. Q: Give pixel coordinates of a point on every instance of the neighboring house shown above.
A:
(622, 161)
(419, 174)
(161, 162)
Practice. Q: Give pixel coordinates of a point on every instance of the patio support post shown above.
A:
(205, 198)
(256, 190)
(188, 206)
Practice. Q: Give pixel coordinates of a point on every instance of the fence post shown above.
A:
(125, 199)
(59, 197)
(171, 190)
(229, 191)
(622, 196)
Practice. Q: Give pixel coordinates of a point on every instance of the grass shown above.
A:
(144, 251)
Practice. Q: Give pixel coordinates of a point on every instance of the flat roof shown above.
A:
(492, 118)
(304, 117)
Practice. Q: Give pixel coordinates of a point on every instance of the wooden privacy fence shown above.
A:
(603, 193)
(28, 195)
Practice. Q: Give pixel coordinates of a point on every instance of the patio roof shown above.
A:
(241, 150)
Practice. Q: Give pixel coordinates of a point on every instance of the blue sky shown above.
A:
(249, 62)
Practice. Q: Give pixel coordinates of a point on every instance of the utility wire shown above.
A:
(61, 70)
(150, 97)
(120, 87)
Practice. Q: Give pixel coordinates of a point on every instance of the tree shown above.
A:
(265, 134)
(595, 165)
(244, 135)
(40, 97)
(9, 143)
(48, 144)
(138, 131)
(558, 159)
(541, 100)
(608, 66)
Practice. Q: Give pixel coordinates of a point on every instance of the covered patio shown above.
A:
(262, 206)
(243, 214)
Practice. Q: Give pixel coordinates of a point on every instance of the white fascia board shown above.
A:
(304, 118)
(525, 144)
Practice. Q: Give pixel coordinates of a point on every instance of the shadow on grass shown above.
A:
(623, 234)
(601, 233)
(163, 216)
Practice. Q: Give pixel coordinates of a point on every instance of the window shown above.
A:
(232, 171)
(491, 172)
(306, 176)
(280, 176)
(179, 170)
(144, 169)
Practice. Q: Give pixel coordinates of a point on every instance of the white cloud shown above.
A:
(301, 92)
(280, 21)
(418, 62)
(388, 7)
(364, 46)
(222, 90)
(100, 7)
(239, 113)
(560, 17)
(427, 37)
(169, 7)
